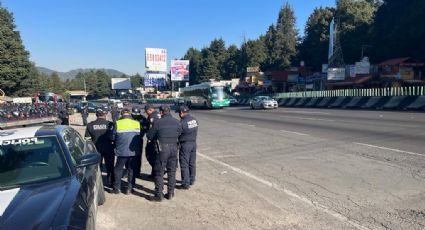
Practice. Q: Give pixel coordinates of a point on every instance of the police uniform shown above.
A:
(151, 149)
(100, 132)
(187, 153)
(137, 161)
(167, 131)
(127, 144)
(84, 115)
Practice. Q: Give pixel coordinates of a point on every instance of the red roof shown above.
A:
(401, 61)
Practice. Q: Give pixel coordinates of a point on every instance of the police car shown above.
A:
(49, 179)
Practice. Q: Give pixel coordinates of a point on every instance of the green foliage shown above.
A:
(195, 58)
(399, 30)
(285, 38)
(315, 44)
(16, 71)
(97, 83)
(254, 53)
(136, 81)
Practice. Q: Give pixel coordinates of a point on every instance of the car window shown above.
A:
(74, 146)
(31, 160)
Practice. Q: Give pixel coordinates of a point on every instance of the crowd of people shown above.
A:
(120, 142)
(10, 112)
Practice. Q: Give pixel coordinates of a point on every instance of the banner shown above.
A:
(336, 74)
(155, 79)
(156, 59)
(179, 70)
(120, 83)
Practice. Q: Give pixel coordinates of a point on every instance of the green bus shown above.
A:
(206, 95)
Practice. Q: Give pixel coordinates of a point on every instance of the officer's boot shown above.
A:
(169, 195)
(158, 197)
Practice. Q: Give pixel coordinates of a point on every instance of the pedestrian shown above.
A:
(84, 114)
(166, 131)
(151, 150)
(64, 115)
(100, 132)
(187, 153)
(137, 162)
(127, 140)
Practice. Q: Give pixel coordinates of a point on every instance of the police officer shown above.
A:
(167, 131)
(187, 140)
(137, 162)
(85, 114)
(127, 144)
(115, 113)
(151, 147)
(100, 132)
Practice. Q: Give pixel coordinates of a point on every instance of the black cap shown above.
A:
(125, 110)
(149, 106)
(164, 108)
(100, 112)
(183, 108)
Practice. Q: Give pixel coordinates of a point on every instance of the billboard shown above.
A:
(336, 74)
(155, 79)
(120, 83)
(179, 70)
(156, 59)
(363, 67)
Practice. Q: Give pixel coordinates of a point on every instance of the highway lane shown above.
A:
(365, 169)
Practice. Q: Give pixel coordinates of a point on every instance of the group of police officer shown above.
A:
(122, 141)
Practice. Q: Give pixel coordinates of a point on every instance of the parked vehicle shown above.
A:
(49, 179)
(263, 102)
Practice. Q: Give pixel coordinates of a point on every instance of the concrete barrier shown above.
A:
(283, 101)
(375, 102)
(313, 102)
(356, 102)
(417, 104)
(291, 102)
(302, 102)
(339, 102)
(394, 102)
(325, 102)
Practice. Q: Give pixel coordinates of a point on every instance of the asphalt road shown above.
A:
(364, 169)
(291, 169)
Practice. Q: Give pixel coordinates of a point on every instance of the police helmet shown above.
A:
(135, 111)
(100, 112)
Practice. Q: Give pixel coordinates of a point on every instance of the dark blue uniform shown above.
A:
(137, 162)
(167, 131)
(84, 115)
(100, 132)
(187, 154)
(151, 147)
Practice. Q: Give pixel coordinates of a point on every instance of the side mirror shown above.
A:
(89, 159)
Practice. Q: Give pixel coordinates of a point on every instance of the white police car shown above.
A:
(49, 179)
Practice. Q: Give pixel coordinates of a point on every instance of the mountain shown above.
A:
(72, 73)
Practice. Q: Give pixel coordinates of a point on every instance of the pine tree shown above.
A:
(286, 38)
(16, 71)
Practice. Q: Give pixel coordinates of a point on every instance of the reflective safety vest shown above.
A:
(128, 141)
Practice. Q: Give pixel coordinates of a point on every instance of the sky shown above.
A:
(67, 34)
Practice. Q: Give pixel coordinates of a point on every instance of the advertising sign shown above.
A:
(22, 100)
(155, 79)
(253, 69)
(352, 71)
(179, 70)
(120, 83)
(336, 74)
(156, 59)
(363, 67)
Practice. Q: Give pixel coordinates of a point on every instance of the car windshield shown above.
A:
(217, 93)
(264, 98)
(31, 160)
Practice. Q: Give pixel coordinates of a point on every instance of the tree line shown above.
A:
(379, 29)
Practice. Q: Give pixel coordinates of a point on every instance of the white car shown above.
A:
(263, 102)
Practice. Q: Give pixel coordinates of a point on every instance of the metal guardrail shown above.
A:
(374, 92)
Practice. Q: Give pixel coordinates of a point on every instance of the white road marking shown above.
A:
(290, 193)
(226, 156)
(308, 118)
(390, 149)
(296, 133)
(6, 198)
(307, 112)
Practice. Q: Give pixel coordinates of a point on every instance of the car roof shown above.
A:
(28, 132)
(19, 133)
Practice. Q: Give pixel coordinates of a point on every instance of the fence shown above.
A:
(375, 92)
